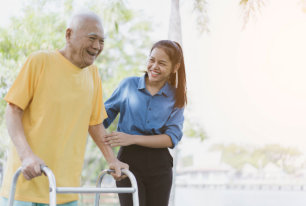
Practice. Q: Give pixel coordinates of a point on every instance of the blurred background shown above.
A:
(245, 123)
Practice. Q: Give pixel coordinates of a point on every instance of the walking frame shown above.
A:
(53, 190)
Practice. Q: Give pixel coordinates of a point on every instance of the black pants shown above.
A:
(152, 190)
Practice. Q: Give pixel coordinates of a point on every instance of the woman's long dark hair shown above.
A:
(175, 53)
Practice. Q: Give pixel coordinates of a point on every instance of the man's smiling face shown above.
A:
(86, 43)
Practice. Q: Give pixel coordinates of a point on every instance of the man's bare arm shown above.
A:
(30, 162)
(97, 132)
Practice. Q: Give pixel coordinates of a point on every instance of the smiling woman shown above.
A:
(151, 121)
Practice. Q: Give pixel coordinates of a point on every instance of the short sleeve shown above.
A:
(174, 126)
(98, 113)
(23, 88)
(112, 106)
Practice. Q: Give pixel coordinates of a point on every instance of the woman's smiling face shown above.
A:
(159, 66)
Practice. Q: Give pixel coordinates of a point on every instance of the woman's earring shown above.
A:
(176, 79)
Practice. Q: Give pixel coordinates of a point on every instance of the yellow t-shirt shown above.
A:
(60, 101)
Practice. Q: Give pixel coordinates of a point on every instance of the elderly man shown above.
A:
(55, 100)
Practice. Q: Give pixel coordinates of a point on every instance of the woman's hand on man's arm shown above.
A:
(123, 139)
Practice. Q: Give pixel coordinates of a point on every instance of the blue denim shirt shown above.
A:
(144, 114)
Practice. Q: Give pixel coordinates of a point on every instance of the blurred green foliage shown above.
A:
(237, 156)
(41, 26)
(194, 129)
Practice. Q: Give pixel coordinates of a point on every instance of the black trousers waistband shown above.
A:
(146, 161)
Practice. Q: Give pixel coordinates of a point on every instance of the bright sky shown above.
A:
(255, 85)
(246, 86)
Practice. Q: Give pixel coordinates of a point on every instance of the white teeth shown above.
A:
(154, 72)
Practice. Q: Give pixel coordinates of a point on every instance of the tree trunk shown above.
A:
(175, 30)
(175, 34)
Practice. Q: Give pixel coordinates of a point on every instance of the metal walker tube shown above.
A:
(53, 189)
(133, 189)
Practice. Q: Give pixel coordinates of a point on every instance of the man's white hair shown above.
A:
(78, 19)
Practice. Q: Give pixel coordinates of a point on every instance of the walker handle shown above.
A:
(129, 175)
(53, 189)
(52, 185)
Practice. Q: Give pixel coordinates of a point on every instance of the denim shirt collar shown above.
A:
(165, 90)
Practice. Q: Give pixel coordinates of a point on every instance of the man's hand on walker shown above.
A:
(31, 166)
(117, 166)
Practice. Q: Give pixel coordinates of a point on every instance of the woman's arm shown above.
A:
(122, 139)
(112, 106)
(171, 135)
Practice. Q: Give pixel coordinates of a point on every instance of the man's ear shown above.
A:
(68, 33)
(176, 67)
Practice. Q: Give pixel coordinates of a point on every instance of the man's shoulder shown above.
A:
(43, 54)
(94, 71)
(93, 67)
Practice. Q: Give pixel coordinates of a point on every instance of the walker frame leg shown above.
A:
(53, 190)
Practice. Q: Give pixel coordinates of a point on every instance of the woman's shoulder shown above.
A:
(133, 80)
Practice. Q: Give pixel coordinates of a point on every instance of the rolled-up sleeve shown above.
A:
(174, 126)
